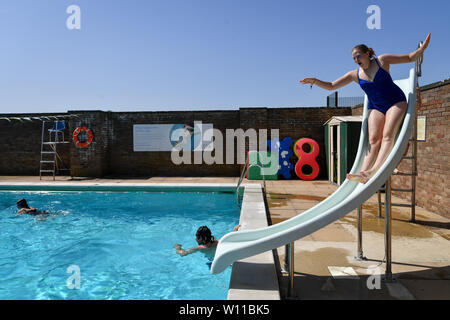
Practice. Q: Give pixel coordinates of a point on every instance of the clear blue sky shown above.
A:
(201, 54)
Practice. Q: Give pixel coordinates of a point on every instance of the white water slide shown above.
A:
(350, 195)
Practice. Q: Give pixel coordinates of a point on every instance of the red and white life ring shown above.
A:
(86, 143)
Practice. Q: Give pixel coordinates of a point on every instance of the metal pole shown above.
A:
(379, 203)
(360, 255)
(286, 259)
(291, 270)
(414, 160)
(388, 230)
(414, 172)
(42, 149)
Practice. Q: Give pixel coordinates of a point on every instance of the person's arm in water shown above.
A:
(183, 252)
(26, 210)
(336, 84)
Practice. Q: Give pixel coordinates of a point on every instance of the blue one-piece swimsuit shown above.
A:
(382, 92)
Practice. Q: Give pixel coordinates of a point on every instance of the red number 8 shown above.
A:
(306, 158)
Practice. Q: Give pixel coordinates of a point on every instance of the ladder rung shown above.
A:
(54, 142)
(404, 174)
(398, 204)
(402, 189)
(408, 157)
(47, 170)
(48, 152)
(47, 161)
(401, 204)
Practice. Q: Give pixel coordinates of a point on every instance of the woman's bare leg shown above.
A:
(376, 125)
(394, 117)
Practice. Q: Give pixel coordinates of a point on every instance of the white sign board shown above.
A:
(164, 137)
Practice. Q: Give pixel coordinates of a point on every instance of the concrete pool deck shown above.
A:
(325, 267)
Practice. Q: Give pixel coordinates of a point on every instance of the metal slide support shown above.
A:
(388, 232)
(379, 203)
(359, 254)
(291, 270)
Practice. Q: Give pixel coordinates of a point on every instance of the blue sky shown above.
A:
(150, 55)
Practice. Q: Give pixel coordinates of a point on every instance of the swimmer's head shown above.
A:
(22, 203)
(363, 55)
(203, 235)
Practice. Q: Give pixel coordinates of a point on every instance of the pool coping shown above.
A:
(118, 186)
(253, 278)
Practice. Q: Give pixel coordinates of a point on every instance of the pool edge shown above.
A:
(119, 187)
(254, 278)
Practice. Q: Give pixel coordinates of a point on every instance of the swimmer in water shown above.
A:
(23, 207)
(206, 242)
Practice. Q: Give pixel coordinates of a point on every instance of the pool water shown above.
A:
(122, 243)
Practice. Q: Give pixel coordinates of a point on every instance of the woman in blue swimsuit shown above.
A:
(387, 102)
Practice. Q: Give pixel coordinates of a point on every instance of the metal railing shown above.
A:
(244, 171)
(333, 100)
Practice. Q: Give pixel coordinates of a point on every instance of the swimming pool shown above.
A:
(122, 243)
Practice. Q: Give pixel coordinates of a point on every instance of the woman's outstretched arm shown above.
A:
(336, 84)
(404, 58)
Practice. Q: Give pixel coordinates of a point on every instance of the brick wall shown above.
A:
(111, 151)
(305, 123)
(433, 154)
(20, 145)
(94, 160)
(124, 161)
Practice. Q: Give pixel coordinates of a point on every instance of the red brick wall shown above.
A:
(433, 154)
(111, 151)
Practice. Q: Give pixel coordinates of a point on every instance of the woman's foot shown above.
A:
(396, 171)
(361, 178)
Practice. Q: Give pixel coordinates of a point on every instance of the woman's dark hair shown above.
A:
(365, 49)
(204, 236)
(22, 203)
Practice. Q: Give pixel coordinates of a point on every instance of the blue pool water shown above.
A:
(121, 242)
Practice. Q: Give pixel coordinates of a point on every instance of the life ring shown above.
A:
(77, 142)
